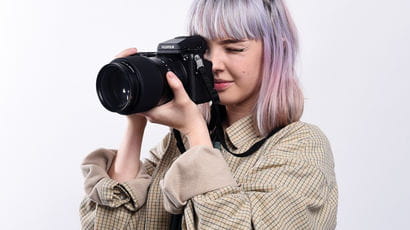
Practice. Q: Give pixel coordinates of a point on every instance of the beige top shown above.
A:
(289, 183)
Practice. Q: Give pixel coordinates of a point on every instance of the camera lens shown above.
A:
(116, 87)
(132, 84)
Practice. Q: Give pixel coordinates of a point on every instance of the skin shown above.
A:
(239, 62)
(236, 63)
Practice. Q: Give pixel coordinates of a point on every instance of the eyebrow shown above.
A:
(230, 41)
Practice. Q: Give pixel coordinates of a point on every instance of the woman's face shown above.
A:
(237, 68)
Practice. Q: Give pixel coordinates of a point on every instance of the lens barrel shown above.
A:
(131, 85)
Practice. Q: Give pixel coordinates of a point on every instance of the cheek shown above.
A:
(247, 82)
(243, 70)
(249, 75)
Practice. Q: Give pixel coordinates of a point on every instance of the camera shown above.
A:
(137, 83)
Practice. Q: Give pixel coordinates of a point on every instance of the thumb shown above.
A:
(177, 87)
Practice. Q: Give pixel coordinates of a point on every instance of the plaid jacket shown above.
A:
(289, 183)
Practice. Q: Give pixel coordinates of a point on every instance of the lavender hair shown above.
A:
(280, 99)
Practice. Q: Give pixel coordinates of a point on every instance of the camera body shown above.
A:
(137, 83)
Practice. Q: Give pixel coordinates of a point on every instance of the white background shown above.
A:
(354, 69)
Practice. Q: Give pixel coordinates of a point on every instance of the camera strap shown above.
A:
(218, 112)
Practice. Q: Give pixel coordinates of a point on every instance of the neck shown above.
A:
(235, 113)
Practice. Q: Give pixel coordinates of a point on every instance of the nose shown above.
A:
(217, 61)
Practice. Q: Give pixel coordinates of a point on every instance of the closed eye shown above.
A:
(235, 50)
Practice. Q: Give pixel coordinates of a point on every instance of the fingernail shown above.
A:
(170, 75)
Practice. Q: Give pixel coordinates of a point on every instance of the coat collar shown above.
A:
(241, 132)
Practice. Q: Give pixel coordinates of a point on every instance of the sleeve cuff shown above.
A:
(199, 170)
(105, 191)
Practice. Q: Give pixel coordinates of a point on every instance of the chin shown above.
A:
(227, 97)
(226, 101)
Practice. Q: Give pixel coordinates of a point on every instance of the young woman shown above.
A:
(286, 183)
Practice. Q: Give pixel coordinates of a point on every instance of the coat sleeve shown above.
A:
(109, 204)
(280, 192)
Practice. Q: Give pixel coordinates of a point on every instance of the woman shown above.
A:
(286, 183)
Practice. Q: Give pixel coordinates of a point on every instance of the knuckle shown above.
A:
(183, 102)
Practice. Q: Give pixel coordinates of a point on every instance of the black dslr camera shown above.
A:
(137, 83)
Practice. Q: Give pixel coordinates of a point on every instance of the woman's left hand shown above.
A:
(182, 114)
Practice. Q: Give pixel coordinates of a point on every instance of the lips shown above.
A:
(220, 85)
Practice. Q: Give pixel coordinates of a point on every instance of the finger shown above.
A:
(177, 87)
(126, 52)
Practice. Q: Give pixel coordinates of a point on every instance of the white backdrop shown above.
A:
(354, 69)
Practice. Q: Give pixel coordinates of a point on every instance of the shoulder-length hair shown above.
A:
(280, 100)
